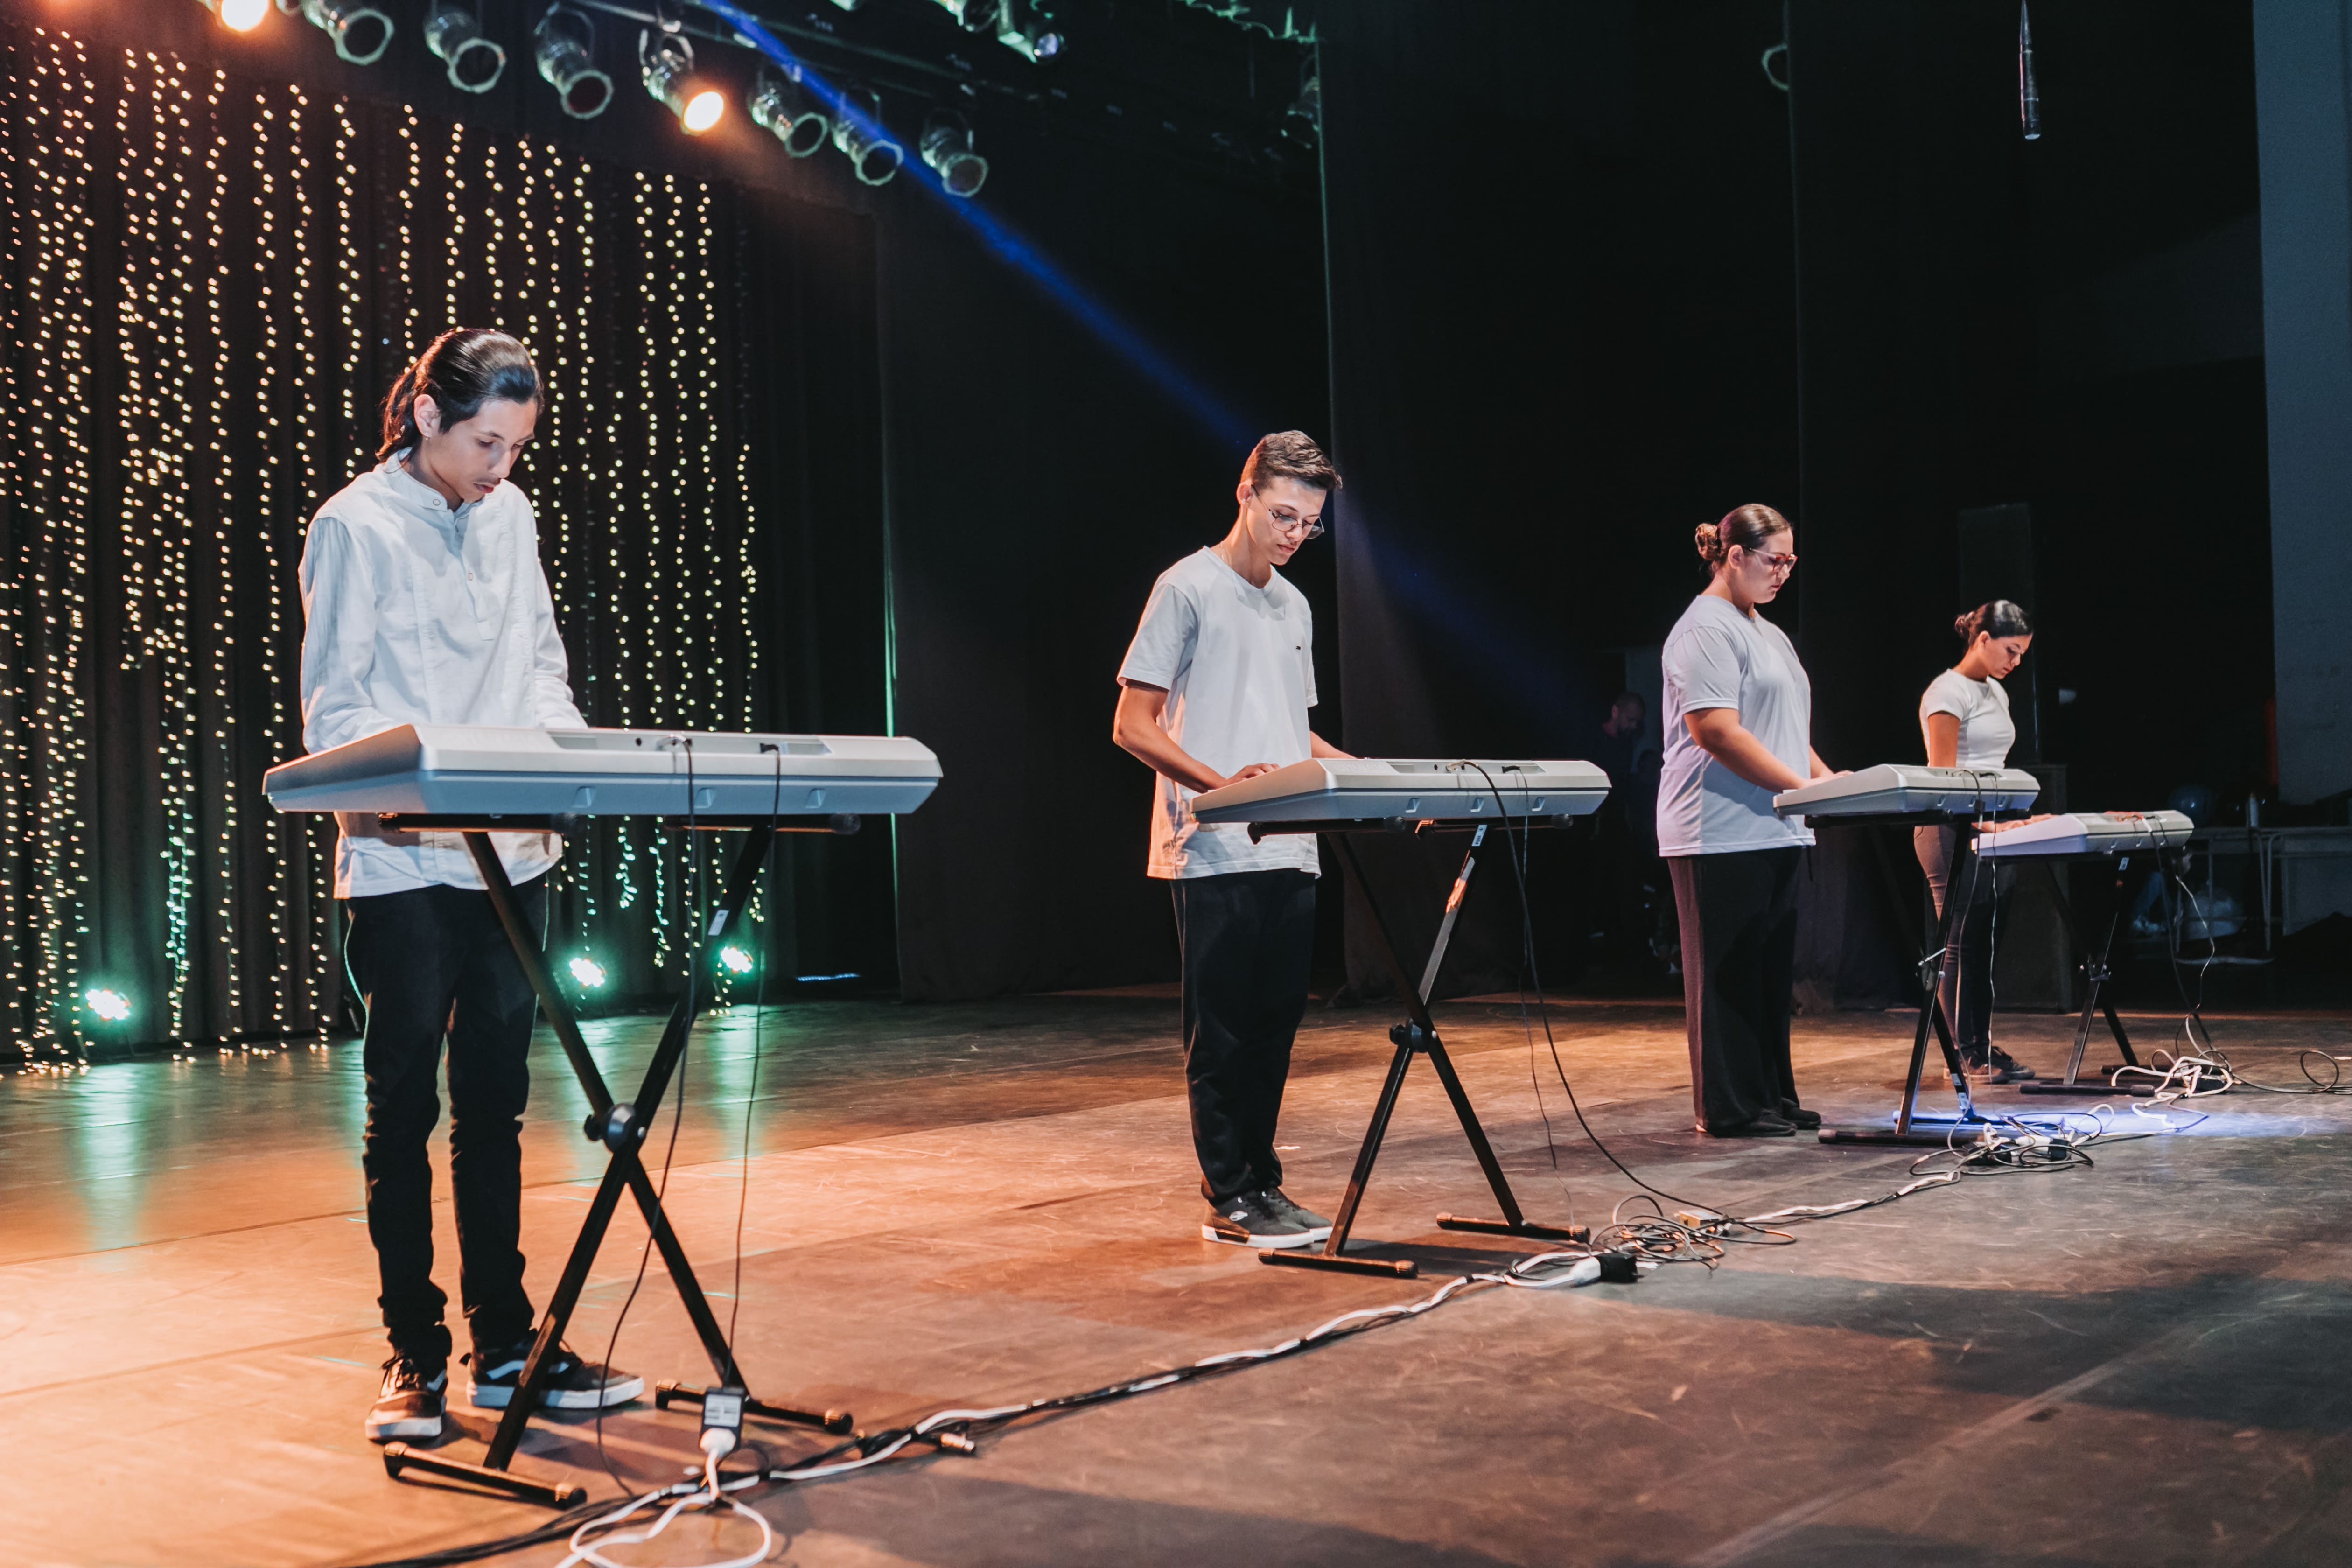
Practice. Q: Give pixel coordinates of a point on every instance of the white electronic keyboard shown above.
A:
(2086, 833)
(1398, 789)
(1901, 789)
(442, 770)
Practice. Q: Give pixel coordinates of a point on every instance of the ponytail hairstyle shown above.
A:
(1996, 618)
(1747, 527)
(462, 370)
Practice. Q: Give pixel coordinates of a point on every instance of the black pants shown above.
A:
(1968, 982)
(1247, 941)
(1740, 965)
(428, 963)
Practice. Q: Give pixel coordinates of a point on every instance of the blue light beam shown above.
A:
(1114, 334)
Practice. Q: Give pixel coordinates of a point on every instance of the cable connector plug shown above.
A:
(722, 1422)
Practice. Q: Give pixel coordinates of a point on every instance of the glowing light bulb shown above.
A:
(588, 972)
(243, 16)
(734, 959)
(111, 1007)
(702, 112)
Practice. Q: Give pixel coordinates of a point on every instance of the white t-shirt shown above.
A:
(1717, 658)
(1238, 666)
(1987, 731)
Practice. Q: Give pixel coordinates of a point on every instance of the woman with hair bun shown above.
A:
(424, 602)
(1964, 718)
(1738, 719)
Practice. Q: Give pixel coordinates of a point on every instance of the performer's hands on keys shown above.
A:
(1250, 771)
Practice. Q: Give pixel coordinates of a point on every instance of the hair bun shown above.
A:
(1709, 540)
(1966, 626)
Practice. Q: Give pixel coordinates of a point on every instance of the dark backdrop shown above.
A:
(1595, 279)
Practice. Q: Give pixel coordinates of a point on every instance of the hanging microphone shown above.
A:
(2029, 100)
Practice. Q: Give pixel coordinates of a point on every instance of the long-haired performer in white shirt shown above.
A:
(423, 602)
(1739, 720)
(1215, 688)
(1964, 718)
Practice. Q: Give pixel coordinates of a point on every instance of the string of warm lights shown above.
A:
(268, 258)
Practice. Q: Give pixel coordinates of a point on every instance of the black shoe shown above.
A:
(569, 1382)
(1991, 1067)
(1249, 1221)
(1765, 1126)
(415, 1393)
(1798, 1117)
(1279, 1201)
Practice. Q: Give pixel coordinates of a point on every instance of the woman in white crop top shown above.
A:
(1964, 718)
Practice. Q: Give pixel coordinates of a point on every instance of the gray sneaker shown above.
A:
(1279, 1201)
(1248, 1221)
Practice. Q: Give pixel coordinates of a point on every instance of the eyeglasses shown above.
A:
(1780, 565)
(1288, 522)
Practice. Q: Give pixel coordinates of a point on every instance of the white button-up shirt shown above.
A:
(413, 613)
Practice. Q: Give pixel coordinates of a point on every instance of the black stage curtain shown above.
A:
(209, 281)
(1562, 334)
(1059, 436)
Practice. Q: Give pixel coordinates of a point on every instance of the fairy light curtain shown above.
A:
(208, 283)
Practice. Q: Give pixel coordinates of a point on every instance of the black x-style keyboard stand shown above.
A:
(1416, 1035)
(621, 1127)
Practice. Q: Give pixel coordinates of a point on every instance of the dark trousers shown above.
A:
(1740, 965)
(430, 963)
(1968, 980)
(1247, 942)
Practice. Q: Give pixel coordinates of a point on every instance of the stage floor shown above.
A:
(2140, 1363)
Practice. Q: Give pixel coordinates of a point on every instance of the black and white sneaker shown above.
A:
(415, 1394)
(1249, 1221)
(1279, 1201)
(569, 1382)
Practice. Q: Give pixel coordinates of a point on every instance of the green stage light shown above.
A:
(110, 1006)
(454, 34)
(588, 972)
(564, 46)
(734, 959)
(360, 32)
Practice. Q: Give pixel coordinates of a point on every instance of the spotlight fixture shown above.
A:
(1304, 121)
(1017, 29)
(734, 959)
(587, 972)
(238, 16)
(564, 45)
(780, 104)
(110, 1006)
(454, 33)
(361, 33)
(666, 64)
(857, 132)
(947, 147)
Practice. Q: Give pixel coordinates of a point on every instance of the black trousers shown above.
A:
(1740, 966)
(432, 962)
(1247, 941)
(1967, 983)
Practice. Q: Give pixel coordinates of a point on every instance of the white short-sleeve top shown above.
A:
(1987, 731)
(1717, 657)
(1238, 665)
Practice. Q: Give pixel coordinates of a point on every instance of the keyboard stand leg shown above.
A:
(626, 1170)
(1418, 1032)
(2097, 971)
(1908, 1129)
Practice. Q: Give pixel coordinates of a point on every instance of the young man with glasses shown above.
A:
(1215, 688)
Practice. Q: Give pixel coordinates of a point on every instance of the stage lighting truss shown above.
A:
(454, 33)
(564, 44)
(778, 103)
(857, 132)
(947, 147)
(1016, 24)
(666, 65)
(1304, 121)
(238, 16)
(360, 32)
